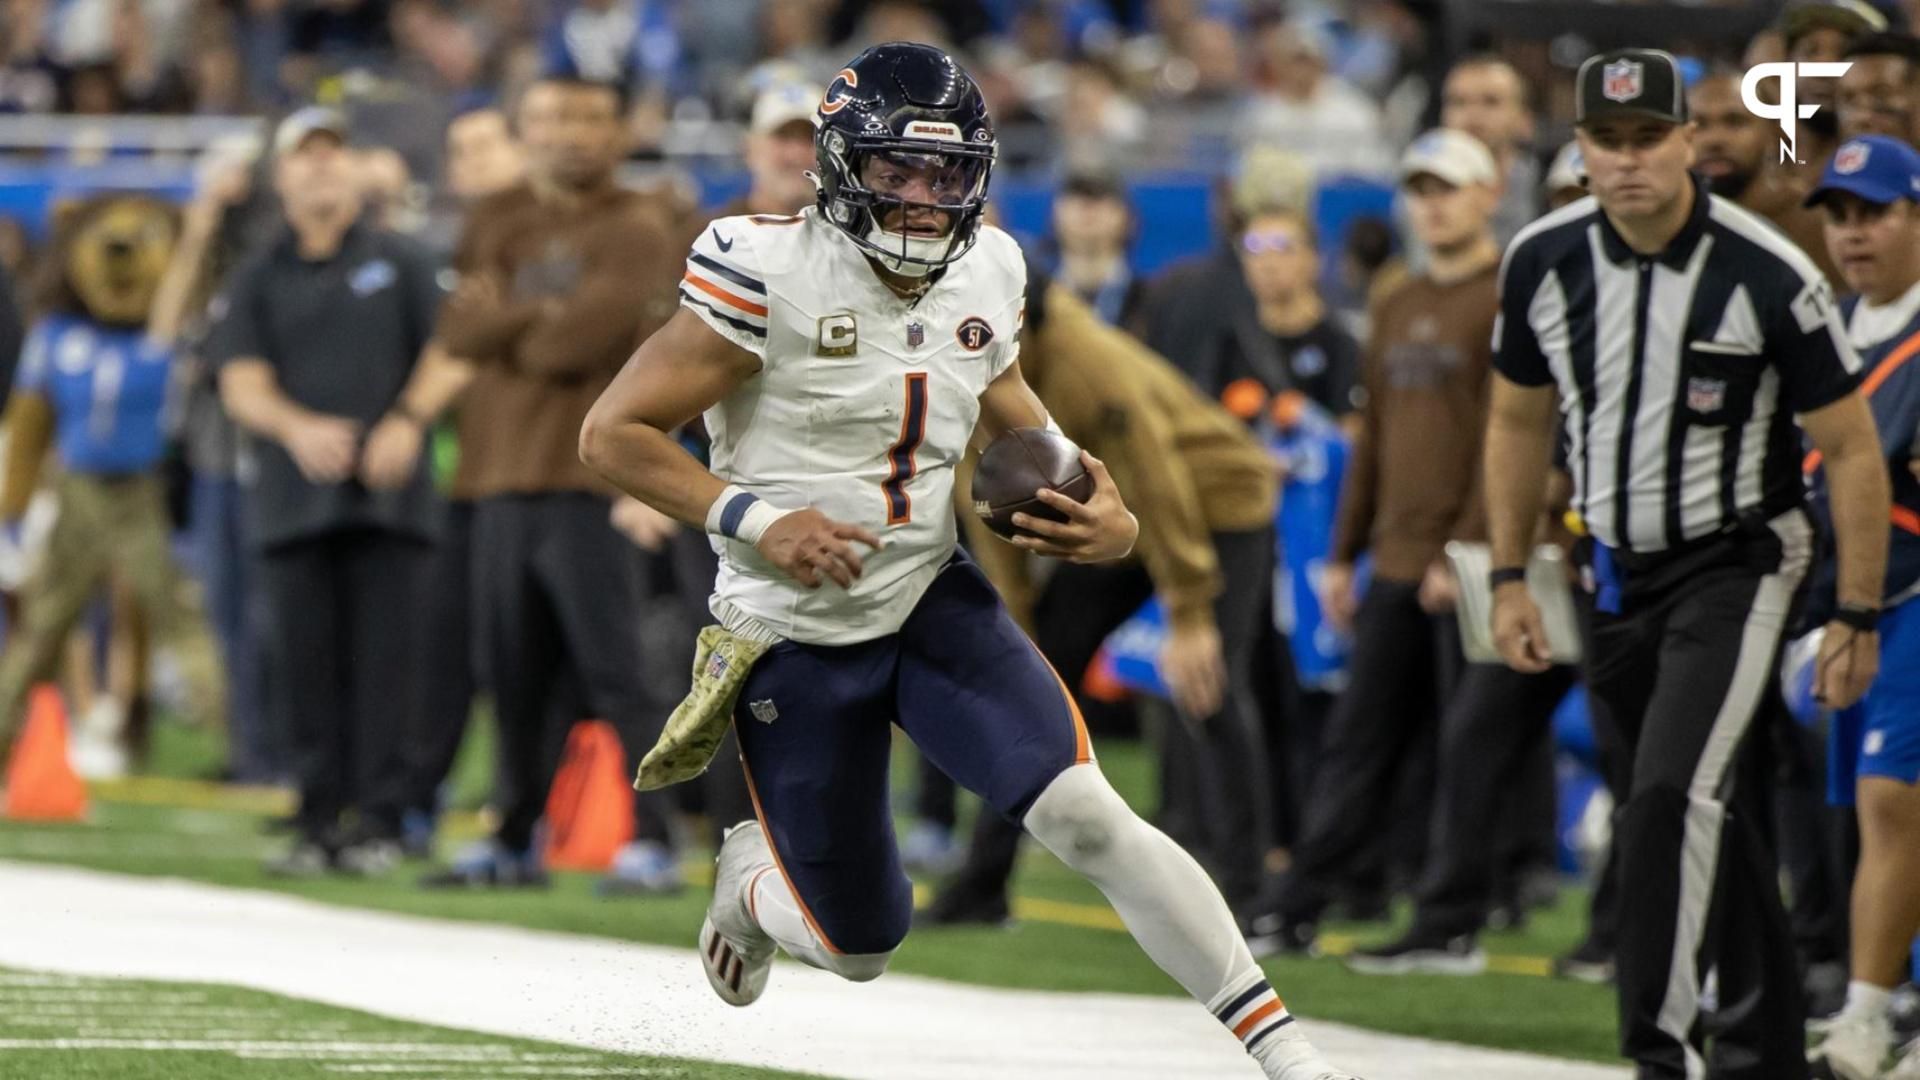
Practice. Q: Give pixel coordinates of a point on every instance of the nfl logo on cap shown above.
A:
(1621, 80)
(1851, 158)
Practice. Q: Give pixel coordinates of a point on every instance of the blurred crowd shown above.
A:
(1342, 81)
(376, 331)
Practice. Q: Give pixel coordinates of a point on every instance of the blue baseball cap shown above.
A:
(1878, 168)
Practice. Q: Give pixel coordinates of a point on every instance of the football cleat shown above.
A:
(1420, 953)
(736, 954)
(1856, 1048)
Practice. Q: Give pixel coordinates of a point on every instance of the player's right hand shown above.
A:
(324, 447)
(1518, 630)
(810, 547)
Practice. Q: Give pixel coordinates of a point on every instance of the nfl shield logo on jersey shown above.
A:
(1621, 80)
(718, 662)
(1706, 395)
(916, 334)
(764, 711)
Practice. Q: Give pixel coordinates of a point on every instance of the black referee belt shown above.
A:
(1749, 536)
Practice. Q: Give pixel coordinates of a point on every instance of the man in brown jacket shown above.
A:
(558, 283)
(1411, 485)
(1204, 490)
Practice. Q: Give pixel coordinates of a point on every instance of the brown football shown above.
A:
(1016, 466)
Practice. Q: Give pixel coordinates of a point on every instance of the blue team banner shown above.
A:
(1310, 446)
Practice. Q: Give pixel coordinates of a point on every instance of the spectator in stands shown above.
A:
(1821, 31)
(1733, 149)
(1486, 98)
(560, 277)
(1096, 122)
(794, 35)
(29, 78)
(1093, 226)
(779, 151)
(1335, 127)
(215, 74)
(1204, 79)
(1567, 176)
(1412, 484)
(630, 44)
(322, 347)
(1880, 93)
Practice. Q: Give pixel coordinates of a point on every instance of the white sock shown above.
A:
(1171, 907)
(773, 905)
(1866, 999)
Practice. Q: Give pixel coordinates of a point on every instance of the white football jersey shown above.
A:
(862, 408)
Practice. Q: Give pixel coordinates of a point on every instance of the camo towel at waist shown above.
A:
(698, 724)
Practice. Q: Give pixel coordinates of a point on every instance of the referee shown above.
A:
(1685, 336)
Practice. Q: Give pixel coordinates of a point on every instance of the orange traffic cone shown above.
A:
(41, 783)
(590, 806)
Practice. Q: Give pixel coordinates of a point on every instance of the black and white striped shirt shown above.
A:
(1679, 373)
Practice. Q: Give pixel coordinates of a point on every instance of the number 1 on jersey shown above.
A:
(900, 463)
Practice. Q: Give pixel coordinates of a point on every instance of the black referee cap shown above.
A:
(1631, 82)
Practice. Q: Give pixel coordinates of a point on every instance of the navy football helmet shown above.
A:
(910, 104)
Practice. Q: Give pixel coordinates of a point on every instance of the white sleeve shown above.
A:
(1006, 349)
(725, 287)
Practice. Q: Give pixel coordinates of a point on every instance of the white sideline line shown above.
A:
(101, 997)
(505, 1071)
(641, 999)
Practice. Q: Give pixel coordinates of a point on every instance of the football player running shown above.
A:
(843, 359)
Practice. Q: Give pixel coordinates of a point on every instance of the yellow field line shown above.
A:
(206, 795)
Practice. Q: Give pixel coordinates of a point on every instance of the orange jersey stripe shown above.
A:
(805, 912)
(1906, 520)
(724, 296)
(1245, 1027)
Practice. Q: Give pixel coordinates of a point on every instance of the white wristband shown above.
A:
(738, 514)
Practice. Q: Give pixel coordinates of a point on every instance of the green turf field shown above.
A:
(1066, 939)
(56, 1026)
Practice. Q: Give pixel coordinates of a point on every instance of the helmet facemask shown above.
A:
(863, 210)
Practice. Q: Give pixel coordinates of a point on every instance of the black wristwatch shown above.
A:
(1862, 617)
(1501, 575)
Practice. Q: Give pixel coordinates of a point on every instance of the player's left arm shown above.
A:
(1097, 530)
